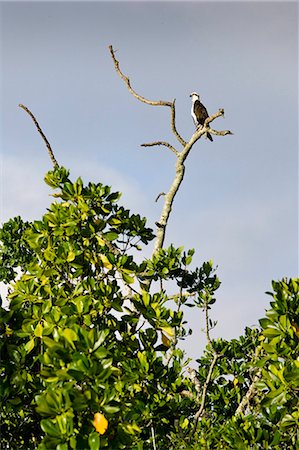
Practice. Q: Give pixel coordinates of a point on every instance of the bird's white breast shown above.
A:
(193, 114)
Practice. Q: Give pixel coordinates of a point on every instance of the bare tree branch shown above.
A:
(219, 113)
(169, 197)
(219, 133)
(127, 81)
(173, 126)
(166, 144)
(50, 151)
(204, 392)
(144, 100)
(181, 156)
(210, 119)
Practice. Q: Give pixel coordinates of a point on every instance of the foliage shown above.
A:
(90, 343)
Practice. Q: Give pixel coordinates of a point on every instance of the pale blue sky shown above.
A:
(239, 200)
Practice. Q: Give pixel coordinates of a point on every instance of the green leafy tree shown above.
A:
(90, 344)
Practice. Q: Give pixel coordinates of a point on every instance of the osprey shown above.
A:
(199, 112)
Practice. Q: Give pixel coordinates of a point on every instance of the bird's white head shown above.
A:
(194, 96)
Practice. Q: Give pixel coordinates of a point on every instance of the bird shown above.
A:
(199, 112)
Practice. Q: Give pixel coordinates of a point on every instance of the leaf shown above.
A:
(264, 323)
(94, 441)
(49, 254)
(106, 262)
(146, 298)
(71, 256)
(51, 343)
(143, 361)
(73, 442)
(101, 338)
(166, 341)
(100, 240)
(168, 330)
(271, 332)
(70, 336)
(276, 438)
(295, 327)
(100, 423)
(127, 278)
(38, 332)
(62, 446)
(49, 427)
(235, 381)
(110, 236)
(131, 428)
(111, 409)
(63, 422)
(30, 345)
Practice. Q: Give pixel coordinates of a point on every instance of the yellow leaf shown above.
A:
(71, 256)
(70, 335)
(30, 345)
(38, 330)
(100, 423)
(169, 331)
(106, 262)
(235, 381)
(295, 328)
(165, 340)
(8, 331)
(101, 241)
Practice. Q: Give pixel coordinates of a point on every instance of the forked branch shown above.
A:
(166, 144)
(50, 151)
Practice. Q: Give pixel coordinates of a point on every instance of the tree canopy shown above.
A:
(91, 334)
(90, 342)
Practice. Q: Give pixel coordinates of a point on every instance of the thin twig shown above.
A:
(50, 151)
(210, 119)
(204, 392)
(166, 144)
(159, 195)
(153, 437)
(206, 309)
(131, 90)
(181, 295)
(173, 126)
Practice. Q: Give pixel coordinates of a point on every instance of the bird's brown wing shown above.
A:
(200, 112)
